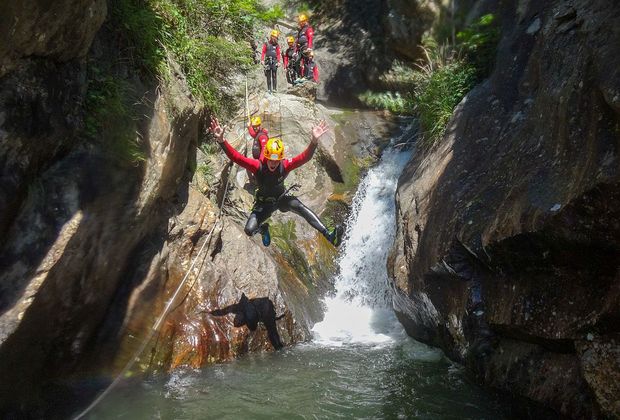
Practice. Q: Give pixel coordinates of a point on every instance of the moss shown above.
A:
(352, 172)
(283, 236)
(343, 117)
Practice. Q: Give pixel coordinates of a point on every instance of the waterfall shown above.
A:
(361, 309)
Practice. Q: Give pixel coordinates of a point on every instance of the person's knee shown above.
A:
(250, 227)
(295, 205)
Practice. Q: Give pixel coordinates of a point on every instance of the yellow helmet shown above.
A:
(290, 40)
(274, 149)
(302, 18)
(255, 121)
(275, 33)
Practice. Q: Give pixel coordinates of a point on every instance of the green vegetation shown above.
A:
(479, 43)
(207, 38)
(109, 112)
(283, 236)
(206, 171)
(439, 90)
(392, 101)
(433, 89)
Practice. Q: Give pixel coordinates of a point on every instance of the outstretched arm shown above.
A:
(218, 131)
(294, 163)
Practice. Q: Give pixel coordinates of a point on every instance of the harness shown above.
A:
(271, 50)
(290, 53)
(302, 38)
(270, 185)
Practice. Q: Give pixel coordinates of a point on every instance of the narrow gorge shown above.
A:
(480, 272)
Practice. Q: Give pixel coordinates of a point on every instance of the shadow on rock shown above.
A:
(250, 312)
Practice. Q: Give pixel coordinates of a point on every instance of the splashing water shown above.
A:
(360, 311)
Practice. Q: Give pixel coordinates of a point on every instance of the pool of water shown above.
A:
(398, 378)
(361, 363)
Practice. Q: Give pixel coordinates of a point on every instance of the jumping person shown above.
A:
(271, 195)
(291, 61)
(270, 58)
(260, 136)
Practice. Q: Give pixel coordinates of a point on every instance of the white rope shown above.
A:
(166, 310)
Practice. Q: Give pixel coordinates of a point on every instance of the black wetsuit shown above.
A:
(271, 52)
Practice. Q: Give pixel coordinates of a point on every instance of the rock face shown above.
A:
(508, 247)
(358, 41)
(93, 247)
(60, 30)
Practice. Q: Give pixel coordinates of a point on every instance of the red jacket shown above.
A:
(262, 57)
(253, 165)
(305, 37)
(261, 137)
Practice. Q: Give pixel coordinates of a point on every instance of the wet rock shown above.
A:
(513, 215)
(600, 364)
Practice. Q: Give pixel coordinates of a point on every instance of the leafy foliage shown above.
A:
(479, 43)
(206, 171)
(109, 111)
(207, 38)
(438, 93)
(433, 89)
(392, 101)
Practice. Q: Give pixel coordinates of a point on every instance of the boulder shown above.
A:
(506, 254)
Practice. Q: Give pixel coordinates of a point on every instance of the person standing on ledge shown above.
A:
(270, 58)
(292, 62)
(271, 194)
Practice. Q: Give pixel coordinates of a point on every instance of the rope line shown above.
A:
(155, 328)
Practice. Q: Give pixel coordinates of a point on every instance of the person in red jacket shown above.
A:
(260, 136)
(305, 35)
(311, 71)
(291, 60)
(304, 43)
(271, 195)
(270, 58)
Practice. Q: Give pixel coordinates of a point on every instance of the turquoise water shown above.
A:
(361, 364)
(399, 379)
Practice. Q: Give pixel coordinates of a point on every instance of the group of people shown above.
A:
(298, 58)
(268, 168)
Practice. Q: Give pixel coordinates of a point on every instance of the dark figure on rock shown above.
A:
(250, 312)
(271, 194)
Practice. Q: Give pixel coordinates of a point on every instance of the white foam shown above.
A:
(359, 312)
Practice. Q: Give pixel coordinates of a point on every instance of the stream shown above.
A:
(361, 363)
